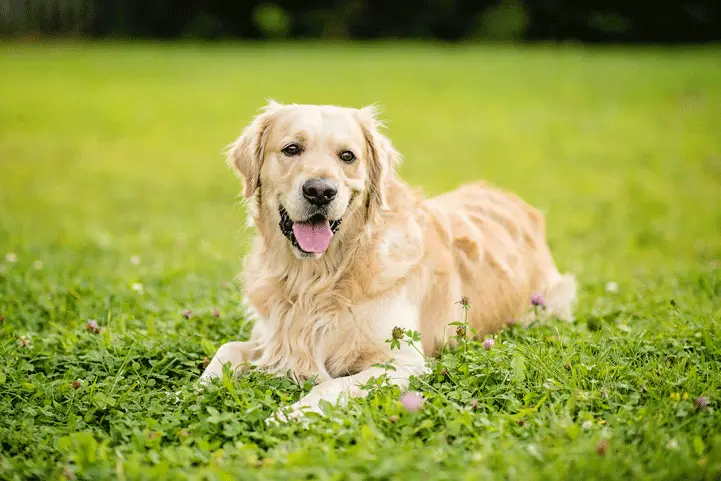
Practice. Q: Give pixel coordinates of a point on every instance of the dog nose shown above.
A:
(319, 192)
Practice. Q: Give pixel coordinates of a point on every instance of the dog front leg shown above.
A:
(340, 390)
(238, 354)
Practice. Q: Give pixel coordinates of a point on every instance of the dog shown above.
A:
(345, 252)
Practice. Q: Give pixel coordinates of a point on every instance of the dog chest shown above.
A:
(308, 343)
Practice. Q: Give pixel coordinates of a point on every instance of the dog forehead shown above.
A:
(321, 121)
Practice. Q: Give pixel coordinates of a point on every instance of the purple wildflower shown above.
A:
(412, 401)
(701, 402)
(537, 300)
(92, 326)
(488, 344)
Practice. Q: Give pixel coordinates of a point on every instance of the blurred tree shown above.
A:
(272, 20)
(528, 20)
(507, 20)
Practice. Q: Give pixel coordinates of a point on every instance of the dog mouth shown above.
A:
(312, 236)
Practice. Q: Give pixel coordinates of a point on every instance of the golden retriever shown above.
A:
(345, 251)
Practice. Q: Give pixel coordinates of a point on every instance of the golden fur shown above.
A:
(397, 259)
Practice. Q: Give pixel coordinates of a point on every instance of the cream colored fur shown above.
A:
(397, 260)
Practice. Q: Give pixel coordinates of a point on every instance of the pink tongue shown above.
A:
(313, 237)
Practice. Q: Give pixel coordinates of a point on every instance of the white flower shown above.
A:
(138, 287)
(672, 445)
(135, 260)
(11, 257)
(37, 265)
(175, 396)
(587, 425)
(611, 287)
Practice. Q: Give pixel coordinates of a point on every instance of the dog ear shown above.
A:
(384, 159)
(245, 155)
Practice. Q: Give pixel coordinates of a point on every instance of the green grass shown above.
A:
(113, 151)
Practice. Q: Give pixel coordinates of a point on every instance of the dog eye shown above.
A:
(291, 150)
(347, 156)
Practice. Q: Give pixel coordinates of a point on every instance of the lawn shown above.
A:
(116, 206)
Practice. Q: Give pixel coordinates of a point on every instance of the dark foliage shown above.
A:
(556, 20)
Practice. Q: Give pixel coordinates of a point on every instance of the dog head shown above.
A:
(309, 168)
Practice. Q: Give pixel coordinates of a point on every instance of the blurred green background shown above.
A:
(118, 147)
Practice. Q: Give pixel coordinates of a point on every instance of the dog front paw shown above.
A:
(294, 412)
(327, 392)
